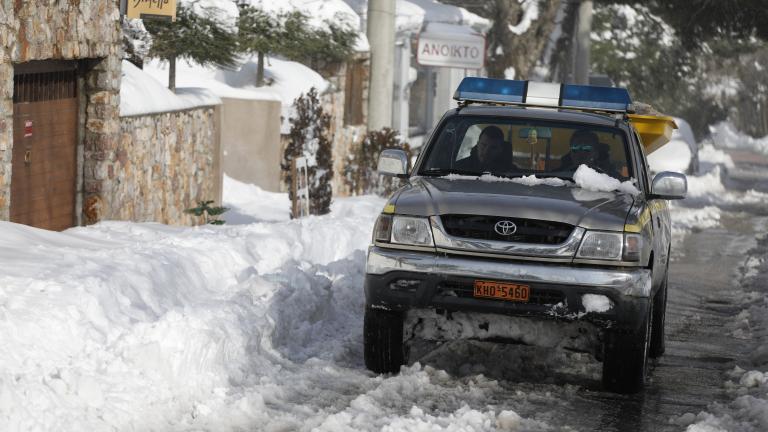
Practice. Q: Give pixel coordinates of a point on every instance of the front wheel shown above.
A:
(384, 350)
(625, 357)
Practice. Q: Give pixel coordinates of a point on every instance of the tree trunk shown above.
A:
(582, 42)
(260, 70)
(172, 73)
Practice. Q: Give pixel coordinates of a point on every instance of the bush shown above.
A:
(309, 138)
(360, 170)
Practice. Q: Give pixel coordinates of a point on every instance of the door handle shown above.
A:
(28, 157)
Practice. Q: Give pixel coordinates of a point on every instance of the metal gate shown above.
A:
(44, 160)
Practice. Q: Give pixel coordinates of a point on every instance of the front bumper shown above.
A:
(404, 280)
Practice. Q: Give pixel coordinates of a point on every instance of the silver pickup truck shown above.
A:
(529, 217)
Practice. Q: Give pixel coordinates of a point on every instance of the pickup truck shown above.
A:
(528, 217)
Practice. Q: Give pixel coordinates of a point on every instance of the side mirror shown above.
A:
(669, 185)
(393, 162)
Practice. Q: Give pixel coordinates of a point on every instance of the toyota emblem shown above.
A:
(505, 227)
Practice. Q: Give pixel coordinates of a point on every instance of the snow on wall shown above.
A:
(142, 94)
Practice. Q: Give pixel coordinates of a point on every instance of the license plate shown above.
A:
(502, 291)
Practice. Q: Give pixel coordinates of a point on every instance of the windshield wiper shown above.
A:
(439, 172)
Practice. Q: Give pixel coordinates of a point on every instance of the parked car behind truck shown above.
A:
(474, 247)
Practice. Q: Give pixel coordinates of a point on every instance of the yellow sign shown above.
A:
(162, 9)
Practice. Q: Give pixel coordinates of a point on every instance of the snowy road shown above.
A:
(258, 326)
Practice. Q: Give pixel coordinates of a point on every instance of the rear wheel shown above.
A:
(625, 358)
(658, 344)
(384, 350)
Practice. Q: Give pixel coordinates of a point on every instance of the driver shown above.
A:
(490, 154)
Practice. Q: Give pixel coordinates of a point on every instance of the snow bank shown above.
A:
(141, 94)
(589, 179)
(725, 135)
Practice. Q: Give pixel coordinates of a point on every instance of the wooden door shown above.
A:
(44, 160)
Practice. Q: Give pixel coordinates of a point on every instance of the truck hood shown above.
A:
(429, 196)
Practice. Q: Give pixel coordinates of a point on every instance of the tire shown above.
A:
(625, 358)
(658, 343)
(384, 350)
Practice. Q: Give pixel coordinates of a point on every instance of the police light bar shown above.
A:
(530, 93)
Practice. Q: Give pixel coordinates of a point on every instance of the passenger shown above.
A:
(586, 149)
(490, 154)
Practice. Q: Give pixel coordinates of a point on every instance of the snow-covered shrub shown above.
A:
(309, 138)
(360, 170)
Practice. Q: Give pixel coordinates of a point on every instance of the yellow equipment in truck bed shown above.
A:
(654, 130)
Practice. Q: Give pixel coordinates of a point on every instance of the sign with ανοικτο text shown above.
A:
(466, 51)
(151, 9)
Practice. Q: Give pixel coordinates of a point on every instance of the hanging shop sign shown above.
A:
(456, 49)
(151, 9)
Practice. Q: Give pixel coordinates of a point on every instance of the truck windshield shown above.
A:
(516, 147)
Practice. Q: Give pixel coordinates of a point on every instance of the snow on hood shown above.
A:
(587, 178)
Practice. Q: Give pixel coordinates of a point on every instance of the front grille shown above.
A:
(466, 290)
(528, 230)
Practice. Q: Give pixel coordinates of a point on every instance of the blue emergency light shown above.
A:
(490, 90)
(584, 96)
(516, 92)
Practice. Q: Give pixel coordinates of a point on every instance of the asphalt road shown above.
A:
(563, 389)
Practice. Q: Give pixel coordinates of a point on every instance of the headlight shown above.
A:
(413, 231)
(601, 245)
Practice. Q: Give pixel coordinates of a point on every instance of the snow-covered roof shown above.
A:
(140, 94)
(411, 15)
(320, 12)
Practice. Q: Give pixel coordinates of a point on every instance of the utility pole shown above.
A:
(381, 37)
(584, 27)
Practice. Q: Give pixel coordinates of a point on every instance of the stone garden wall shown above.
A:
(164, 163)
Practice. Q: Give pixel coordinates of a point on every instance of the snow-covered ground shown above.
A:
(257, 325)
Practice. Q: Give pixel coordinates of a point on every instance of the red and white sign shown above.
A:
(27, 128)
(438, 46)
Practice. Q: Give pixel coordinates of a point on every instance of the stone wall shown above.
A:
(164, 163)
(64, 30)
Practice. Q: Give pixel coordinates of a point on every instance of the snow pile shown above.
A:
(747, 412)
(686, 219)
(589, 179)
(249, 203)
(141, 94)
(713, 156)
(725, 135)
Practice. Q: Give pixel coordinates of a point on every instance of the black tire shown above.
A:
(384, 350)
(658, 343)
(625, 358)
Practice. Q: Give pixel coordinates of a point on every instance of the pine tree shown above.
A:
(136, 41)
(200, 37)
(360, 172)
(309, 138)
(259, 33)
